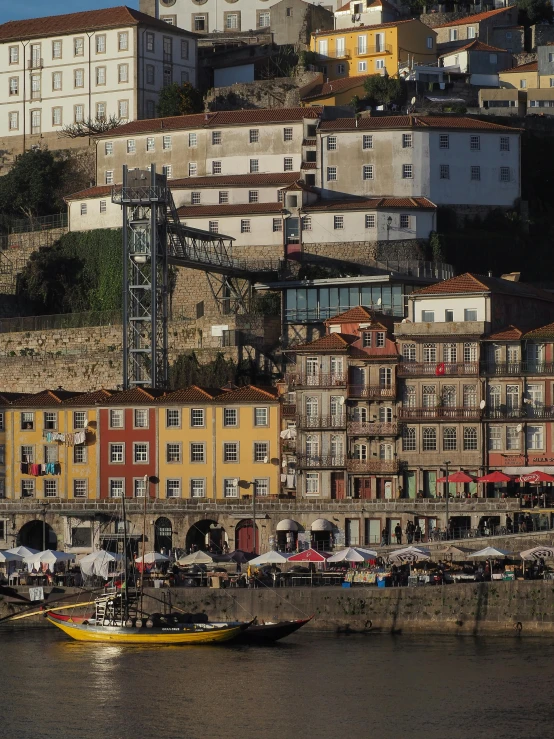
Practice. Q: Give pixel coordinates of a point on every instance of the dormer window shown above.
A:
(367, 338)
(380, 339)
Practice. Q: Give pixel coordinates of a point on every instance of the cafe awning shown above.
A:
(321, 524)
(287, 524)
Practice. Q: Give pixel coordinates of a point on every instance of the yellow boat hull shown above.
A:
(130, 635)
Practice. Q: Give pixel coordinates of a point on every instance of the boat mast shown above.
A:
(125, 563)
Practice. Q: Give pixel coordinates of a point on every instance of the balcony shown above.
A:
(526, 411)
(439, 414)
(334, 54)
(372, 391)
(437, 369)
(517, 368)
(322, 422)
(373, 50)
(375, 428)
(373, 466)
(35, 63)
(320, 380)
(288, 410)
(318, 461)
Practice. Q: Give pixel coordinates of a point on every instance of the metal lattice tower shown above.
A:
(143, 197)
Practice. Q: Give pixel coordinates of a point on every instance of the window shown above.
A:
(100, 111)
(475, 143)
(261, 451)
(131, 146)
(199, 23)
(150, 74)
(470, 352)
(79, 454)
(404, 221)
(109, 177)
(448, 316)
(14, 55)
(261, 417)
(338, 222)
(449, 439)
(27, 421)
(444, 141)
(429, 439)
(50, 421)
(449, 396)
(197, 488)
(444, 172)
(470, 396)
(380, 339)
(264, 19)
(331, 143)
(306, 223)
(287, 134)
(367, 172)
(223, 197)
(184, 49)
(173, 452)
(254, 165)
(407, 172)
(409, 352)
(453, 36)
(140, 452)
(429, 396)
(195, 198)
(230, 488)
(475, 173)
(495, 438)
(27, 454)
(139, 487)
(428, 316)
(100, 75)
(116, 419)
(512, 438)
(173, 489)
(193, 169)
(141, 420)
(166, 143)
(216, 167)
(429, 351)
(123, 41)
(78, 47)
(117, 453)
(27, 488)
(117, 488)
(254, 136)
(253, 196)
(108, 148)
(367, 338)
(470, 438)
(13, 121)
(230, 417)
(331, 174)
(429, 42)
(505, 174)
(245, 226)
(14, 85)
(523, 84)
(470, 314)
(172, 418)
(83, 209)
(51, 454)
(367, 141)
(312, 483)
(78, 78)
(79, 488)
(406, 140)
(470, 32)
(192, 139)
(408, 439)
(504, 143)
(123, 108)
(79, 111)
(362, 66)
(277, 225)
(197, 417)
(167, 170)
(370, 220)
(216, 138)
(261, 485)
(213, 227)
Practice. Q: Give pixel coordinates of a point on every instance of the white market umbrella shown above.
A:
(98, 563)
(48, 556)
(490, 553)
(539, 552)
(23, 551)
(353, 554)
(10, 557)
(270, 558)
(151, 558)
(409, 555)
(196, 558)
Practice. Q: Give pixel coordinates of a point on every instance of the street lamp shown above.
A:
(447, 493)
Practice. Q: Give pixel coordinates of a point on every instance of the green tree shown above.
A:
(385, 90)
(178, 99)
(535, 11)
(32, 186)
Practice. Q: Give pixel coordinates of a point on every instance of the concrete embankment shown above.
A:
(503, 608)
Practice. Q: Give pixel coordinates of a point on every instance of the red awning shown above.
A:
(495, 476)
(310, 555)
(458, 477)
(536, 477)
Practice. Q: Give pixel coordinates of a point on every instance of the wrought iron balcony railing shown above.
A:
(372, 391)
(373, 466)
(321, 460)
(437, 369)
(440, 413)
(322, 422)
(374, 428)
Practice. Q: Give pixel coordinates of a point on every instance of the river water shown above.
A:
(318, 686)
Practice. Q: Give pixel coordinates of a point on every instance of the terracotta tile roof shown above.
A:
(309, 165)
(249, 394)
(474, 45)
(376, 26)
(192, 394)
(96, 397)
(359, 314)
(544, 332)
(375, 123)
(88, 20)
(135, 396)
(45, 398)
(309, 142)
(185, 183)
(330, 88)
(237, 209)
(219, 118)
(329, 342)
(510, 333)
(372, 204)
(470, 283)
(476, 18)
(529, 67)
(7, 398)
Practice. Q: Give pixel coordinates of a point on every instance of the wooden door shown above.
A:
(337, 486)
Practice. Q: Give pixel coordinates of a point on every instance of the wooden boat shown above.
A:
(272, 631)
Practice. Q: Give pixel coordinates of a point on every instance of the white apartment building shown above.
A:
(452, 161)
(211, 16)
(66, 69)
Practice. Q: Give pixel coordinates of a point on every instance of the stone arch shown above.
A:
(205, 534)
(163, 535)
(37, 535)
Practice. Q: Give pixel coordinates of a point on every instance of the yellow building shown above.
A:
(525, 76)
(334, 92)
(51, 445)
(363, 50)
(215, 445)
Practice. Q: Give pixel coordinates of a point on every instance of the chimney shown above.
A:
(489, 273)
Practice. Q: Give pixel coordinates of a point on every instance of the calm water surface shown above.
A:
(313, 685)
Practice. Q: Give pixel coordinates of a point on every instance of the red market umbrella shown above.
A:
(495, 476)
(535, 478)
(458, 477)
(310, 555)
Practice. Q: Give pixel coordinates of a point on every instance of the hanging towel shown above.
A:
(291, 481)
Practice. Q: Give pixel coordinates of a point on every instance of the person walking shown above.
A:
(384, 537)
(418, 534)
(398, 533)
(410, 532)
